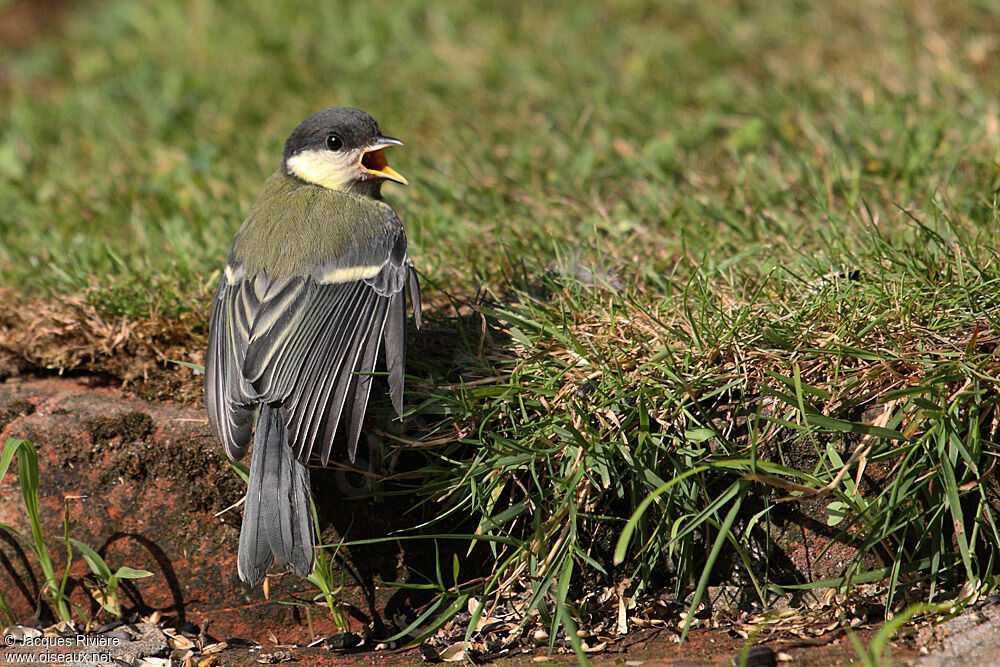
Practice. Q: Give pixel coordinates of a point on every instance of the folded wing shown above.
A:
(309, 343)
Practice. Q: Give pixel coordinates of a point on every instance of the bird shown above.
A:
(315, 284)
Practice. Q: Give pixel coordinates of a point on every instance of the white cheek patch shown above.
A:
(346, 274)
(324, 168)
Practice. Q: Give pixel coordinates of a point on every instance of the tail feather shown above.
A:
(277, 524)
(254, 555)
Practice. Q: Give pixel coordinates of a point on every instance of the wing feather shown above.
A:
(395, 348)
(326, 424)
(362, 381)
(228, 397)
(323, 406)
(309, 400)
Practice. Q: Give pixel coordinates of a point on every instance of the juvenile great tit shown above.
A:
(314, 285)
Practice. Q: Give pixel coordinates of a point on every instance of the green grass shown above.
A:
(800, 201)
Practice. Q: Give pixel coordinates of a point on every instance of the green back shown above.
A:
(294, 226)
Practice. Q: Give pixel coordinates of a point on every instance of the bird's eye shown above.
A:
(333, 142)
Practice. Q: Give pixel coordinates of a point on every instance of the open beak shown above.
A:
(373, 160)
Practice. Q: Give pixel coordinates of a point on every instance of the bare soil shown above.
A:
(147, 485)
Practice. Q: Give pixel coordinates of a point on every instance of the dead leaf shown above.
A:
(214, 648)
(177, 641)
(454, 653)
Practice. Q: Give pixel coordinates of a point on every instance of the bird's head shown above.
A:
(341, 149)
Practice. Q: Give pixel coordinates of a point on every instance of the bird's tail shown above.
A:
(276, 519)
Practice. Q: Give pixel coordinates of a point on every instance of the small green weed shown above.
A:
(54, 584)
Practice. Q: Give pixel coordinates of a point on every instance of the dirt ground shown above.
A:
(147, 485)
